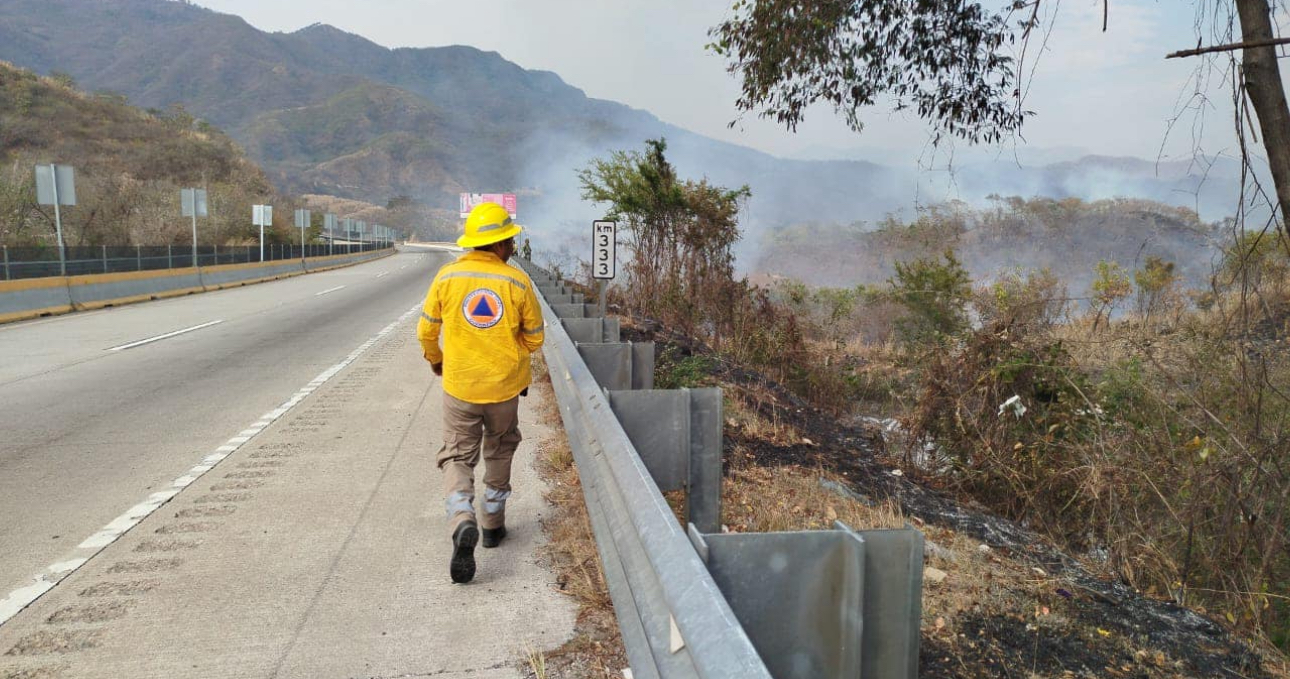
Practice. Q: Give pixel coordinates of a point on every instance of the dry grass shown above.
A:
(596, 649)
(763, 500)
(536, 660)
(743, 411)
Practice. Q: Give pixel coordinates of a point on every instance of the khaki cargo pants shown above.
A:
(470, 429)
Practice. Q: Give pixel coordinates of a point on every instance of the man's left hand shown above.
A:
(437, 368)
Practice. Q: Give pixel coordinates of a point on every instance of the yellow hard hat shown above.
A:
(488, 223)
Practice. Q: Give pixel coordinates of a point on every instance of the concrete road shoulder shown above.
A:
(318, 549)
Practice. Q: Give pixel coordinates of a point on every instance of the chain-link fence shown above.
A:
(39, 262)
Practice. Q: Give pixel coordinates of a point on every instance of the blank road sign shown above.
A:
(262, 215)
(194, 200)
(604, 249)
(47, 176)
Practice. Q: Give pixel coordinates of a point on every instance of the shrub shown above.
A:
(1030, 302)
(934, 294)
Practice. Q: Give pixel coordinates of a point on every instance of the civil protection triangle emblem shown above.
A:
(482, 308)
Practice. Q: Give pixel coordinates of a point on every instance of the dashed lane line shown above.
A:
(44, 581)
(168, 335)
(329, 290)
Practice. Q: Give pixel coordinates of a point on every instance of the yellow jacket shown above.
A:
(487, 312)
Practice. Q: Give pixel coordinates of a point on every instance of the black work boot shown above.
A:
(494, 536)
(464, 538)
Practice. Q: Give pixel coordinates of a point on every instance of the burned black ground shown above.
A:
(1094, 625)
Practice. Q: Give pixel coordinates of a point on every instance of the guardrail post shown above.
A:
(6, 262)
(804, 597)
(594, 330)
(678, 434)
(569, 310)
(571, 298)
(104, 255)
(170, 256)
(620, 365)
(138, 258)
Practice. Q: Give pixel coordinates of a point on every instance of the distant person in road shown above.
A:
(486, 311)
(527, 252)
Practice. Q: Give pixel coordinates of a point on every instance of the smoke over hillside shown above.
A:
(1128, 208)
(1067, 237)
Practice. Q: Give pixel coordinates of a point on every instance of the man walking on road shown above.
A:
(487, 313)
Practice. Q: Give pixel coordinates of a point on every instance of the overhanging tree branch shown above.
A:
(1228, 48)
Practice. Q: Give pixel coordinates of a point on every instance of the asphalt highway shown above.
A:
(92, 421)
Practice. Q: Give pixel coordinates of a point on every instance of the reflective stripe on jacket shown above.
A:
(488, 315)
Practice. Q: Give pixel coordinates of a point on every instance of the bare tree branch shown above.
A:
(1228, 48)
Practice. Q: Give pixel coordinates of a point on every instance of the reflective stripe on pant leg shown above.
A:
(495, 500)
(459, 503)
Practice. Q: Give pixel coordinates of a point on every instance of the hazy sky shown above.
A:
(1109, 93)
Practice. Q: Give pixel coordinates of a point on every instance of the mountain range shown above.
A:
(329, 112)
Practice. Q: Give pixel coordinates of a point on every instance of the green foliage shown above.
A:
(935, 295)
(946, 61)
(1155, 280)
(1121, 391)
(677, 371)
(1033, 301)
(679, 235)
(1110, 286)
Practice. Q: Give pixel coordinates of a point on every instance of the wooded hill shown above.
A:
(1067, 237)
(130, 166)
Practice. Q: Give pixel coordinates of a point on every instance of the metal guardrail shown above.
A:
(41, 262)
(697, 602)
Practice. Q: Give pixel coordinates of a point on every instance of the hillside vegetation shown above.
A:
(1143, 430)
(1067, 237)
(130, 166)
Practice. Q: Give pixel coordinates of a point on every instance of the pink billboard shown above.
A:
(506, 200)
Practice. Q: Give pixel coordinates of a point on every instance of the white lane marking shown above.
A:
(66, 566)
(21, 597)
(44, 581)
(168, 335)
(338, 287)
(382, 274)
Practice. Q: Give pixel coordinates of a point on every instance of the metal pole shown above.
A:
(58, 224)
(302, 242)
(138, 258)
(170, 256)
(104, 252)
(261, 241)
(6, 262)
(194, 228)
(600, 296)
